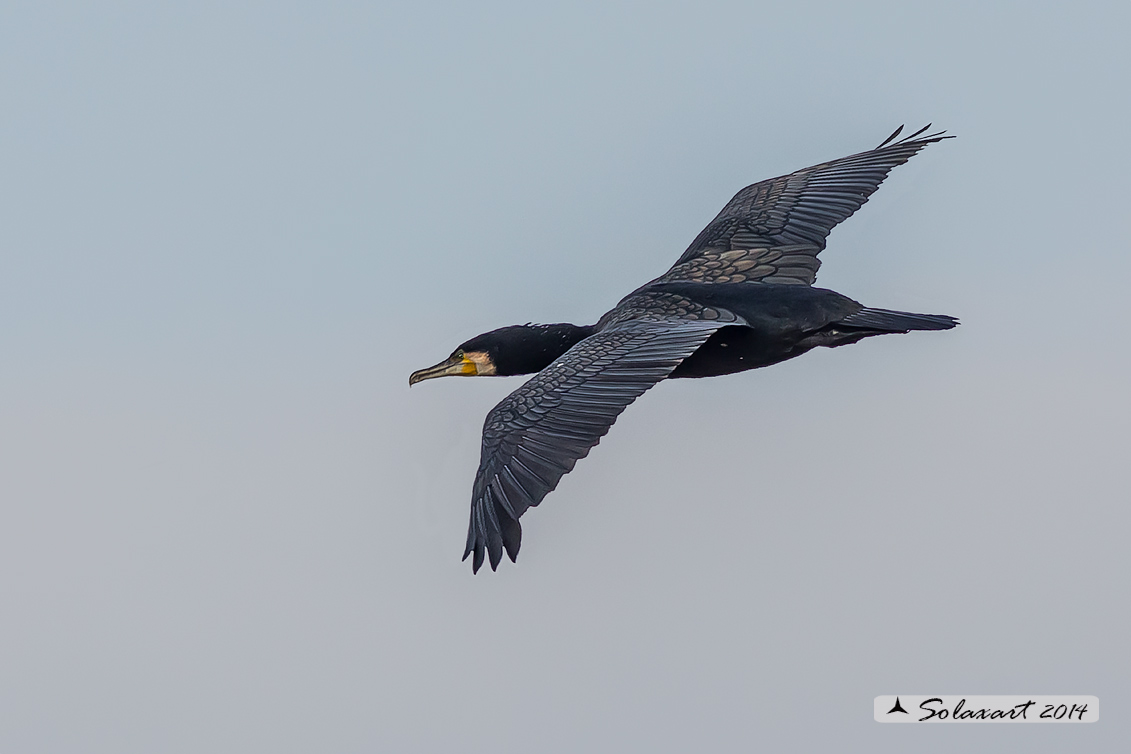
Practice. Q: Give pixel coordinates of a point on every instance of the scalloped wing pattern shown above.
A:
(792, 214)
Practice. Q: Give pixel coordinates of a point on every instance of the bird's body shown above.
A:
(741, 297)
(782, 322)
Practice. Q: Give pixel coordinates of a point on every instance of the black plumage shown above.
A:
(739, 298)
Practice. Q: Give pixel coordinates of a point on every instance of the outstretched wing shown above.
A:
(772, 231)
(538, 432)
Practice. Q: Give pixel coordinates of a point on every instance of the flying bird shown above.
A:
(741, 297)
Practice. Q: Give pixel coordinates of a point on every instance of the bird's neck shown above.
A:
(532, 348)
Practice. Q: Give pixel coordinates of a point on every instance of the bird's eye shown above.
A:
(458, 354)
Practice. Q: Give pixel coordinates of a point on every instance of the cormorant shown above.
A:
(740, 297)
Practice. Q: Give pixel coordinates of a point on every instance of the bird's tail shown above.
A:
(886, 320)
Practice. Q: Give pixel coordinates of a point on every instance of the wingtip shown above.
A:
(918, 137)
(482, 554)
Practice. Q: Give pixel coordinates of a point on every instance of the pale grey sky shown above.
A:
(229, 231)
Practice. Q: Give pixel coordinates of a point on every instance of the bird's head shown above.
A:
(518, 349)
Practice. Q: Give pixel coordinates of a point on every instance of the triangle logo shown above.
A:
(898, 708)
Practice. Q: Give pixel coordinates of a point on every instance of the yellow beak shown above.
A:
(459, 366)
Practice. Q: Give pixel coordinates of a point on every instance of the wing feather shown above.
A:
(792, 213)
(538, 432)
